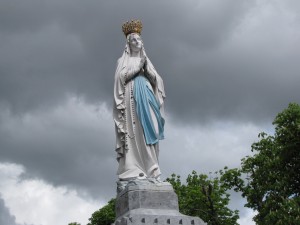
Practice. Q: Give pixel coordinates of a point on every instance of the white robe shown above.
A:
(135, 157)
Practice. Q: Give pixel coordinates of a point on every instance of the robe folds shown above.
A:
(136, 158)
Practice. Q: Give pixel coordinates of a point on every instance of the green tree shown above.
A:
(104, 216)
(205, 198)
(74, 223)
(270, 179)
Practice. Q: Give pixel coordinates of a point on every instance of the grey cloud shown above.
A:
(63, 147)
(50, 49)
(5, 216)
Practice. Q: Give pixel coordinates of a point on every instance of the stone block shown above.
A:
(145, 203)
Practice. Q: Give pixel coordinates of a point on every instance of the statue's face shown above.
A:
(135, 42)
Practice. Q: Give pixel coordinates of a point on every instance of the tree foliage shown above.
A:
(74, 223)
(205, 198)
(270, 179)
(104, 216)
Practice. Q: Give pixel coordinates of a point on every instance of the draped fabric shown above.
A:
(144, 99)
(134, 153)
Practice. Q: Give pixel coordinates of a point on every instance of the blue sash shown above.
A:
(144, 98)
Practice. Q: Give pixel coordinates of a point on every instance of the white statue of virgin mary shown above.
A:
(138, 109)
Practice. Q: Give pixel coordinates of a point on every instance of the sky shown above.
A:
(229, 67)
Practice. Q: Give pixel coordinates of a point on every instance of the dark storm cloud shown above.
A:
(50, 49)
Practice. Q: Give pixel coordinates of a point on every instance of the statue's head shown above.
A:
(135, 42)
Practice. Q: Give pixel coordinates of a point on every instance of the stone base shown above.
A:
(145, 202)
(147, 219)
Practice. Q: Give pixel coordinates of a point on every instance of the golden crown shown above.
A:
(133, 26)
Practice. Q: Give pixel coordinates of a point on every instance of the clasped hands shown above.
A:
(143, 65)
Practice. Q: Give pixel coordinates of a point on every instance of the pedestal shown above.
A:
(144, 202)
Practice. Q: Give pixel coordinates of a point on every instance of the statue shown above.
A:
(139, 121)
(138, 109)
